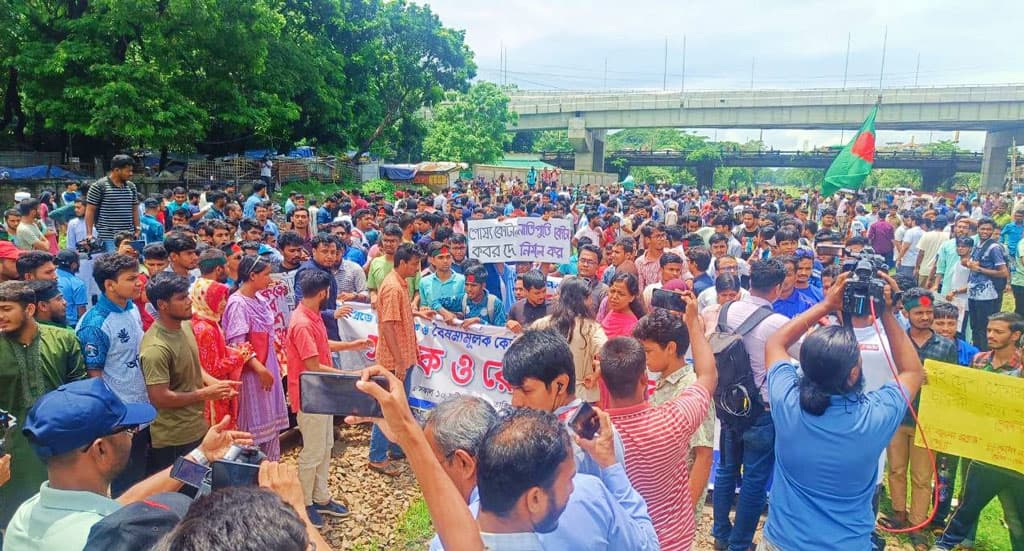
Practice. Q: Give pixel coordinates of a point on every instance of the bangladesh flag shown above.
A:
(853, 164)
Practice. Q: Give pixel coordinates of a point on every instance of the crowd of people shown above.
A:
(135, 334)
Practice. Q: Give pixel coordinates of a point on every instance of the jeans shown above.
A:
(379, 444)
(136, 468)
(754, 451)
(982, 483)
(979, 311)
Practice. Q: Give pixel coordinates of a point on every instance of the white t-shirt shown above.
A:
(929, 245)
(875, 367)
(911, 238)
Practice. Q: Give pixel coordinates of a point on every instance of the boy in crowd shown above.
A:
(479, 306)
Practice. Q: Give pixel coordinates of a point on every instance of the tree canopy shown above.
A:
(471, 127)
(220, 76)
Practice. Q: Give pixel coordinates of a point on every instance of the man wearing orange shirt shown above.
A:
(396, 345)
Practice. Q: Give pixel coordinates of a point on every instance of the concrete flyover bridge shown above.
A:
(935, 167)
(996, 109)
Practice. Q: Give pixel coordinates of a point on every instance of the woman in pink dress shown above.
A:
(248, 319)
(625, 306)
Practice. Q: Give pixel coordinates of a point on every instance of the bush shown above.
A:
(380, 185)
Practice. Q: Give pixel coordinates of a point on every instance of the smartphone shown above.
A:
(668, 300)
(336, 394)
(585, 422)
(138, 245)
(229, 473)
(189, 472)
(826, 249)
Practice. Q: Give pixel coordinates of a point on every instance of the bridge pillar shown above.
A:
(705, 173)
(589, 145)
(932, 178)
(993, 164)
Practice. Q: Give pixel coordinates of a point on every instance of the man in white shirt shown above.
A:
(908, 251)
(928, 249)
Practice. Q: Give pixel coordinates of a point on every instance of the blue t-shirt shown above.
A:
(826, 467)
(811, 293)
(494, 316)
(73, 291)
(791, 307)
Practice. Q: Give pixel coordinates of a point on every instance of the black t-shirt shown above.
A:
(526, 313)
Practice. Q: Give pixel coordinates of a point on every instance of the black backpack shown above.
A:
(738, 400)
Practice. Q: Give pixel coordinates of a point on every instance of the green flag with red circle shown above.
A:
(853, 164)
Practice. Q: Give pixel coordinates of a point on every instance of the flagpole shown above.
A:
(881, 71)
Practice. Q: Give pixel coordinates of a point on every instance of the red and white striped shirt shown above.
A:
(657, 440)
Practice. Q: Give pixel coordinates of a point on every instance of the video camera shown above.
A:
(864, 286)
(239, 467)
(90, 247)
(7, 424)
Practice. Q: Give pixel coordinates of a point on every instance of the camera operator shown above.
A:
(83, 432)
(827, 410)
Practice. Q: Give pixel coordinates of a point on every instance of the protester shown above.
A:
(247, 319)
(112, 203)
(749, 446)
(533, 306)
(175, 382)
(666, 341)
(396, 347)
(654, 436)
(571, 316)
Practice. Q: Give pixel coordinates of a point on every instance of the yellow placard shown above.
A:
(973, 413)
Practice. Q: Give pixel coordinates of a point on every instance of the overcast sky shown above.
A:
(565, 44)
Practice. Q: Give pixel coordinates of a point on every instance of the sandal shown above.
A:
(385, 468)
(893, 523)
(920, 541)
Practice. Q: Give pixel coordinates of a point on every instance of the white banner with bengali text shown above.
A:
(452, 360)
(520, 240)
(280, 298)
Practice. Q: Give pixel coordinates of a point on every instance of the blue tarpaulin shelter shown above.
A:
(39, 172)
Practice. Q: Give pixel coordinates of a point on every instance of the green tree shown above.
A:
(552, 141)
(471, 127)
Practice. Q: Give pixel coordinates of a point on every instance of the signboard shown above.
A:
(973, 413)
(520, 240)
(452, 360)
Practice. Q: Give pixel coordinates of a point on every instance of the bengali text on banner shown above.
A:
(452, 360)
(973, 413)
(520, 240)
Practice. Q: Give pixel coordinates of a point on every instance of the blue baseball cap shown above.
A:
(77, 413)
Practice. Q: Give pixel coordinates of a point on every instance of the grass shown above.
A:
(415, 529)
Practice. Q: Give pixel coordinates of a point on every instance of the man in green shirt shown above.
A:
(947, 258)
(34, 359)
(382, 265)
(176, 384)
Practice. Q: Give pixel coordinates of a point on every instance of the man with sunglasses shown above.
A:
(83, 432)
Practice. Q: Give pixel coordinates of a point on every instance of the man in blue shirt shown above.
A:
(152, 229)
(825, 409)
(603, 512)
(71, 288)
(259, 195)
(443, 290)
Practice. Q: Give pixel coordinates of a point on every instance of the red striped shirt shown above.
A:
(657, 440)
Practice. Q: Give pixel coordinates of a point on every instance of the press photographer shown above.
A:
(826, 409)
